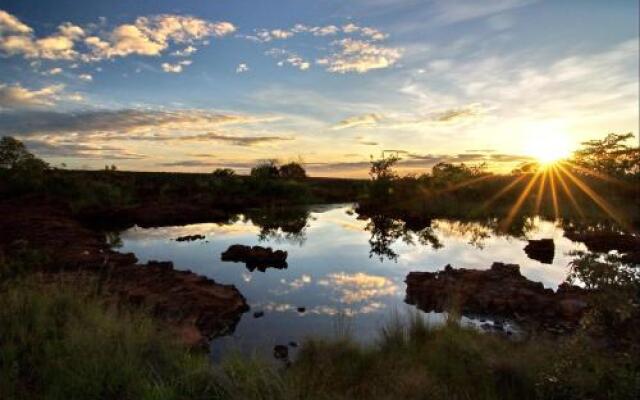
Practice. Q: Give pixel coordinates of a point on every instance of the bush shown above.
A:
(292, 170)
(266, 170)
(223, 173)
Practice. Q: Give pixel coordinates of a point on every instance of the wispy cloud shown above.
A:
(117, 122)
(82, 151)
(358, 120)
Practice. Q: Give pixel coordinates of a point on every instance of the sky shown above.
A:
(194, 85)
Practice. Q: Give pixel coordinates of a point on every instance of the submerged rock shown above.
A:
(256, 257)
(498, 291)
(281, 352)
(542, 250)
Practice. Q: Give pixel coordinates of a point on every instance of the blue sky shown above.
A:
(195, 85)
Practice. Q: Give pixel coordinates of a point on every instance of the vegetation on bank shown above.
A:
(62, 342)
(600, 182)
(21, 173)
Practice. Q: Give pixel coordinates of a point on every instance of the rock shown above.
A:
(281, 352)
(182, 298)
(256, 257)
(258, 314)
(301, 310)
(542, 250)
(160, 264)
(293, 344)
(499, 291)
(195, 307)
(189, 238)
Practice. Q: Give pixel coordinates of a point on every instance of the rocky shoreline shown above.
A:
(198, 308)
(499, 291)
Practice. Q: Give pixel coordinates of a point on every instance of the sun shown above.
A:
(548, 147)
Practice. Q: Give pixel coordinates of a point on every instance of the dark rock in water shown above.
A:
(293, 344)
(281, 352)
(256, 257)
(542, 250)
(258, 314)
(301, 309)
(189, 238)
(498, 291)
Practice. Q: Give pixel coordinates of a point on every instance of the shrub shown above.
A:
(223, 173)
(292, 170)
(266, 170)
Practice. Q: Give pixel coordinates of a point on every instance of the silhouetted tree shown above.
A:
(382, 177)
(266, 170)
(14, 155)
(223, 173)
(610, 155)
(292, 170)
(444, 173)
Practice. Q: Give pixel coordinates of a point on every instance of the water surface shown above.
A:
(345, 272)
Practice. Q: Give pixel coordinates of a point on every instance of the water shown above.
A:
(343, 276)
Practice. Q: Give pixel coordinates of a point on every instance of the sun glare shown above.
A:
(549, 147)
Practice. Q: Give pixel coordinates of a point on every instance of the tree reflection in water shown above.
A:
(385, 231)
(281, 224)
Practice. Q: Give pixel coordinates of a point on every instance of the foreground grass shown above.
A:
(60, 340)
(415, 361)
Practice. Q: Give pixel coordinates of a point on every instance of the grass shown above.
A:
(60, 338)
(61, 342)
(58, 341)
(415, 361)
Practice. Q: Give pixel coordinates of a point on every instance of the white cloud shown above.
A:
(9, 23)
(16, 96)
(174, 68)
(18, 39)
(85, 77)
(288, 57)
(324, 30)
(54, 71)
(242, 68)
(177, 67)
(186, 52)
(360, 56)
(71, 31)
(281, 34)
(148, 36)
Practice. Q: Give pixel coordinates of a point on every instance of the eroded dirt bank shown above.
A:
(197, 307)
